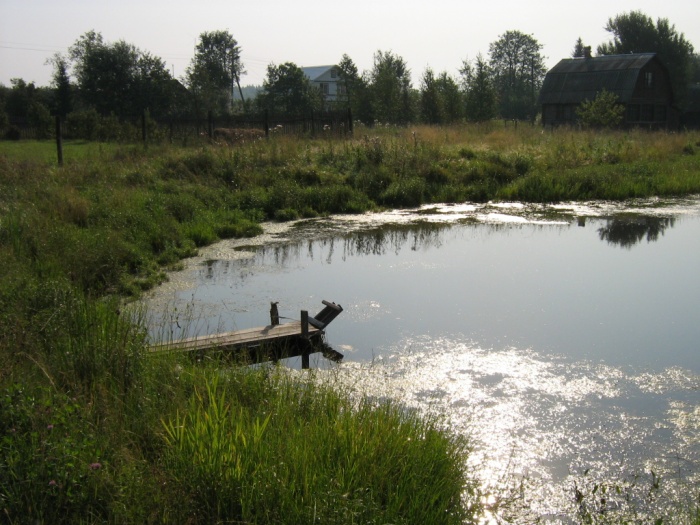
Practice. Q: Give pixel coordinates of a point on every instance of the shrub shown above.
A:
(40, 119)
(13, 133)
(604, 111)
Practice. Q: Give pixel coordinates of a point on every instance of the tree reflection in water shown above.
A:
(630, 230)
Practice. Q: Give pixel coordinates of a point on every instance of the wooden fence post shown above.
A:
(59, 140)
(350, 124)
(266, 125)
(305, 336)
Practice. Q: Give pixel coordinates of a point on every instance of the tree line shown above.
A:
(97, 79)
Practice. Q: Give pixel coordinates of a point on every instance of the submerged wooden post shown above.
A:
(305, 336)
(274, 314)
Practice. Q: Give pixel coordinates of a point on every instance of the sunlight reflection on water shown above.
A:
(563, 387)
(538, 424)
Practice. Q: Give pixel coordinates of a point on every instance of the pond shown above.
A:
(563, 339)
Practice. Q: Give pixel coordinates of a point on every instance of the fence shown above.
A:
(177, 130)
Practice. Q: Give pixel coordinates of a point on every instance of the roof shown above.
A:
(316, 71)
(574, 80)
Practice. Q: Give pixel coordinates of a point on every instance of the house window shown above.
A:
(334, 73)
(649, 79)
(647, 113)
(325, 88)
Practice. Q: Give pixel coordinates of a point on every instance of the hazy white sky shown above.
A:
(437, 33)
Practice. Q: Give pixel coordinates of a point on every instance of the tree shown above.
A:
(390, 84)
(604, 111)
(287, 91)
(480, 93)
(20, 97)
(581, 50)
(355, 90)
(694, 70)
(518, 70)
(119, 78)
(440, 100)
(154, 86)
(635, 32)
(452, 99)
(63, 101)
(216, 70)
(431, 105)
(349, 79)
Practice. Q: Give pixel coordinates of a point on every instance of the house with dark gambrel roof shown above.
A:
(691, 114)
(640, 81)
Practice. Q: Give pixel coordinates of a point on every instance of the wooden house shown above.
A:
(691, 113)
(640, 81)
(327, 79)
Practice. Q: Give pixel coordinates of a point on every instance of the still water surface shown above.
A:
(564, 340)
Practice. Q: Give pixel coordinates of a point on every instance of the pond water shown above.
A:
(563, 339)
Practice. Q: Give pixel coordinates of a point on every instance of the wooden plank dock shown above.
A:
(272, 342)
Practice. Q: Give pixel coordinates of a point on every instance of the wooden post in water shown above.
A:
(274, 314)
(305, 336)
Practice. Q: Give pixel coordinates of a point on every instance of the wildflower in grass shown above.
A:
(49, 427)
(52, 483)
(95, 466)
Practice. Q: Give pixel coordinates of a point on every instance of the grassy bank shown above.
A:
(92, 430)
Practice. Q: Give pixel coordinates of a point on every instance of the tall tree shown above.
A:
(431, 105)
(480, 93)
(288, 91)
(390, 83)
(440, 98)
(579, 50)
(118, 78)
(349, 78)
(635, 32)
(216, 70)
(452, 99)
(518, 69)
(63, 101)
(355, 87)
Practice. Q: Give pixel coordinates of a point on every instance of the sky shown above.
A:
(439, 34)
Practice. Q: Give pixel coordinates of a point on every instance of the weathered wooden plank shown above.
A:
(271, 342)
(240, 338)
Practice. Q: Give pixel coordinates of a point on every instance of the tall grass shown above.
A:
(303, 453)
(93, 430)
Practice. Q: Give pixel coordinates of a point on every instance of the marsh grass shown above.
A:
(76, 241)
(306, 454)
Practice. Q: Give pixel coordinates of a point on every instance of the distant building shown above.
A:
(327, 79)
(691, 115)
(640, 81)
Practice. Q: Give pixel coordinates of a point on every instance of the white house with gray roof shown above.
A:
(327, 79)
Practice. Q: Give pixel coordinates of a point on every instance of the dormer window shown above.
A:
(649, 79)
(334, 73)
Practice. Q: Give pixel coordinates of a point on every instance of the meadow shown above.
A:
(93, 429)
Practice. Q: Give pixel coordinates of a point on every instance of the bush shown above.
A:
(13, 133)
(604, 111)
(40, 119)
